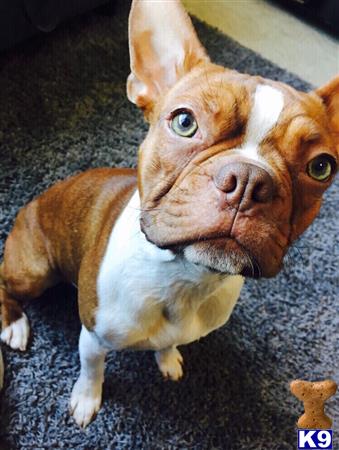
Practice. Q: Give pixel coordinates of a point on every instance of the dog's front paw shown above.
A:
(16, 334)
(85, 402)
(170, 363)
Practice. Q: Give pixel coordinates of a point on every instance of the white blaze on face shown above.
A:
(267, 106)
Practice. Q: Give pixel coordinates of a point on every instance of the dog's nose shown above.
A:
(244, 184)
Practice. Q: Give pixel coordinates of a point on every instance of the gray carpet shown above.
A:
(63, 110)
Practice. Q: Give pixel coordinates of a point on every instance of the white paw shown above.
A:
(16, 334)
(85, 402)
(170, 363)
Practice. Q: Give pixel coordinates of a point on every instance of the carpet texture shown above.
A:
(64, 110)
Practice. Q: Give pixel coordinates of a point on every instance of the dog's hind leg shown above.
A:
(25, 273)
(15, 287)
(15, 327)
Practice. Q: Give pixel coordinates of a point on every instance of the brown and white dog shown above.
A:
(232, 171)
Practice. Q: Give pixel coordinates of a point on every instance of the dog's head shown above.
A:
(234, 167)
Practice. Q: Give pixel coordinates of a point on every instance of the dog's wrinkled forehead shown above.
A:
(259, 118)
(268, 103)
(230, 105)
(169, 66)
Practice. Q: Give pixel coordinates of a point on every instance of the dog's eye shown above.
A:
(184, 124)
(321, 167)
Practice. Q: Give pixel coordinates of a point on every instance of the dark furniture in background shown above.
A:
(20, 19)
(322, 12)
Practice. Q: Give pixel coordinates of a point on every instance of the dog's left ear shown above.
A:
(163, 47)
(330, 96)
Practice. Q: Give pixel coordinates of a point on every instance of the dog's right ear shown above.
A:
(163, 47)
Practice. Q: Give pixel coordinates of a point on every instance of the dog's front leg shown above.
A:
(87, 391)
(170, 363)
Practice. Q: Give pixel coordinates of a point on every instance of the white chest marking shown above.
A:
(137, 281)
(267, 106)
